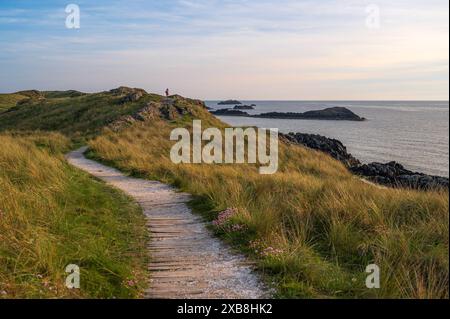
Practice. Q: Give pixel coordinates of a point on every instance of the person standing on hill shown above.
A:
(167, 92)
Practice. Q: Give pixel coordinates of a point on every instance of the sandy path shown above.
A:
(187, 262)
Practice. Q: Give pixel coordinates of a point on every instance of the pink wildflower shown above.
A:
(238, 228)
(224, 217)
(270, 251)
(264, 250)
(256, 244)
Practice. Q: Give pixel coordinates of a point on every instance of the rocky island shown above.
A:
(334, 114)
(245, 107)
(230, 112)
(230, 102)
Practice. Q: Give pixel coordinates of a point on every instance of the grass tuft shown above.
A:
(313, 227)
(52, 215)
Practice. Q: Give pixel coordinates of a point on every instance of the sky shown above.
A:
(219, 49)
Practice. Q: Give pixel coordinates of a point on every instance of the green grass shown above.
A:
(8, 101)
(52, 215)
(62, 94)
(80, 116)
(313, 227)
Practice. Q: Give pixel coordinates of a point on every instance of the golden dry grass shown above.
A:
(52, 215)
(324, 224)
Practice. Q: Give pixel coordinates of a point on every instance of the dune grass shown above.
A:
(312, 227)
(77, 115)
(52, 215)
(8, 101)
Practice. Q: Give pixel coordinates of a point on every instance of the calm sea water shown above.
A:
(415, 134)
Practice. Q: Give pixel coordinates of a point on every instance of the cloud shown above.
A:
(250, 49)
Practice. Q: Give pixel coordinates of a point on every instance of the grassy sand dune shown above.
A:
(8, 101)
(313, 226)
(79, 116)
(52, 215)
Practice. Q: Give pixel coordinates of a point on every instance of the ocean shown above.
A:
(412, 133)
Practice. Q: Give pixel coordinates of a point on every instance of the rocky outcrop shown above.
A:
(244, 107)
(130, 95)
(168, 109)
(230, 102)
(394, 174)
(124, 90)
(149, 112)
(327, 145)
(230, 112)
(334, 113)
(178, 98)
(390, 174)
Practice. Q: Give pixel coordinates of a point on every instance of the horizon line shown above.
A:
(255, 100)
(326, 100)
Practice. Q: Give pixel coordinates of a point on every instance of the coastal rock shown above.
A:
(229, 112)
(230, 102)
(149, 112)
(245, 107)
(178, 99)
(132, 97)
(333, 147)
(390, 174)
(394, 174)
(168, 109)
(130, 94)
(334, 113)
(170, 112)
(124, 90)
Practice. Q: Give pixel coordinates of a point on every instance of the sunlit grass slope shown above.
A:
(70, 112)
(8, 101)
(313, 227)
(52, 215)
